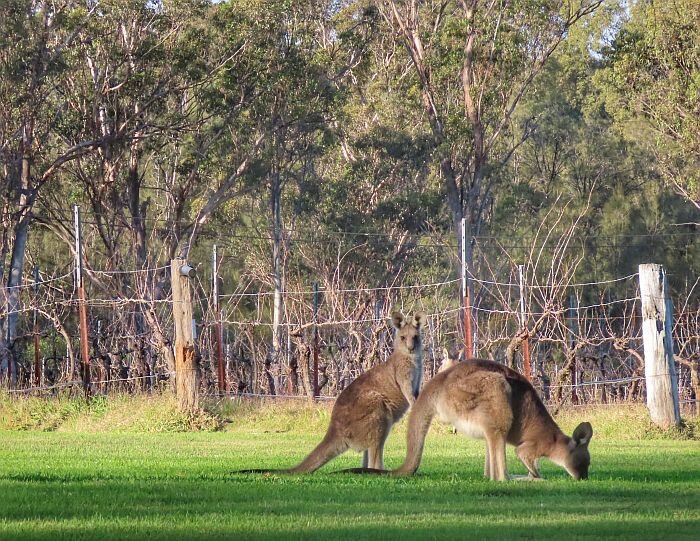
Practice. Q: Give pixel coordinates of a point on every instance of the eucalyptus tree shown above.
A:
(36, 39)
(653, 77)
(200, 107)
(473, 62)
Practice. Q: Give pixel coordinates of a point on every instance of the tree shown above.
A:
(36, 36)
(474, 62)
(653, 78)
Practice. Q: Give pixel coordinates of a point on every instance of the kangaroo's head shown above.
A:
(408, 339)
(579, 459)
(447, 361)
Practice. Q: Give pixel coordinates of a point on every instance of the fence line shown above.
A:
(552, 286)
(348, 339)
(33, 284)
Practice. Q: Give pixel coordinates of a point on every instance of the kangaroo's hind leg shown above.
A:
(487, 464)
(496, 443)
(376, 451)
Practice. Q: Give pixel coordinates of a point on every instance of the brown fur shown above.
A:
(368, 408)
(486, 399)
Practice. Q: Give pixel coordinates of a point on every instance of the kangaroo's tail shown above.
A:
(374, 471)
(261, 471)
(329, 448)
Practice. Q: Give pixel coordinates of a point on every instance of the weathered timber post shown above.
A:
(659, 369)
(186, 370)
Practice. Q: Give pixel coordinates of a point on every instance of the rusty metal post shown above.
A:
(468, 341)
(466, 308)
(523, 324)
(221, 367)
(526, 358)
(37, 353)
(82, 304)
(316, 390)
(573, 328)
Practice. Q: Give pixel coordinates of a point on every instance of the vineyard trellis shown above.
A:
(586, 345)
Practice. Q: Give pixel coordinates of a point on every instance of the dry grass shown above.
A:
(117, 413)
(158, 413)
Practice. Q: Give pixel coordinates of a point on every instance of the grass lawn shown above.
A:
(116, 485)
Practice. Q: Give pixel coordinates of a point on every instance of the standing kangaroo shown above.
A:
(366, 410)
(484, 399)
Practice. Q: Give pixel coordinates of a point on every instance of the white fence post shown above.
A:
(657, 324)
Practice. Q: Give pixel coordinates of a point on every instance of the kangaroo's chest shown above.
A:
(416, 377)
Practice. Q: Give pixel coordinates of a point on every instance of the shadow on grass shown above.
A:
(405, 528)
(46, 498)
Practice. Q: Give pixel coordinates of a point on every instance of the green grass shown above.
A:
(92, 484)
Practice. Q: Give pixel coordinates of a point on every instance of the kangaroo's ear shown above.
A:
(582, 434)
(419, 319)
(398, 320)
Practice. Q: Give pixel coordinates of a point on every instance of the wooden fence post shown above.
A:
(186, 370)
(659, 369)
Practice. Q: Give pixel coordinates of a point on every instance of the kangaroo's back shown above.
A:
(531, 420)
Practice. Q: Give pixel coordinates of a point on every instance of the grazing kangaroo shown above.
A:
(484, 399)
(366, 410)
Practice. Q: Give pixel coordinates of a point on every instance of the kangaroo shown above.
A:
(484, 399)
(365, 411)
(447, 361)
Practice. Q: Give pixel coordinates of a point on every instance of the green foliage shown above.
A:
(195, 112)
(158, 413)
(651, 76)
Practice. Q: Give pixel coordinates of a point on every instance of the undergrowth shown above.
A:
(119, 413)
(158, 412)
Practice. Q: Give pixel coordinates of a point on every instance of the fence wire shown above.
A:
(130, 335)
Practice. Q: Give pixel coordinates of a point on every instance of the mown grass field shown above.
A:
(76, 482)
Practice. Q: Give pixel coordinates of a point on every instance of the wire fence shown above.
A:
(586, 349)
